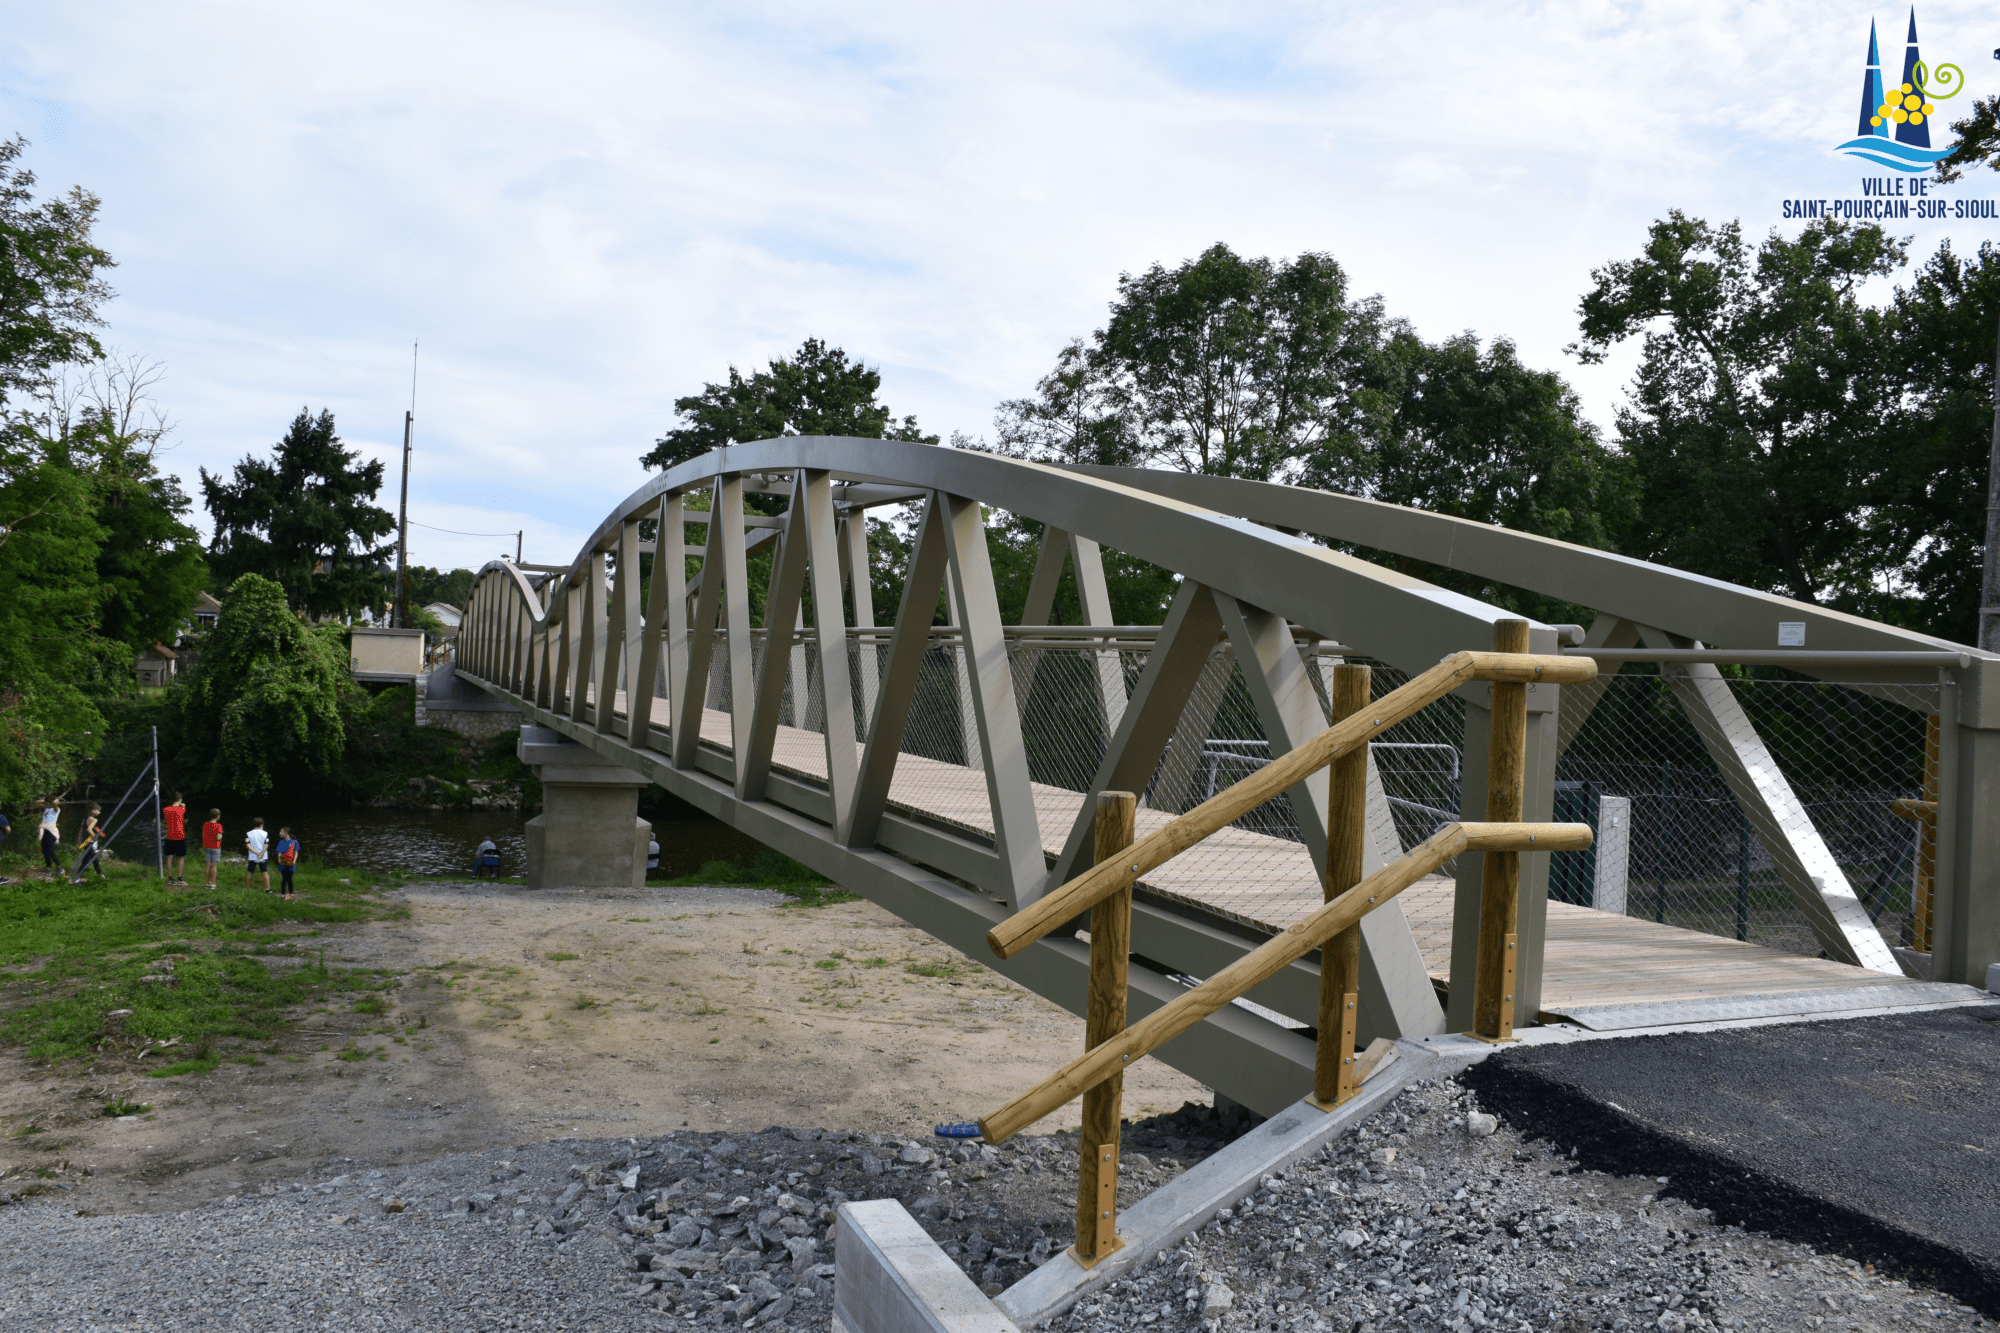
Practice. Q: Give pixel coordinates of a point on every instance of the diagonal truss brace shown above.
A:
(1397, 998)
(1804, 862)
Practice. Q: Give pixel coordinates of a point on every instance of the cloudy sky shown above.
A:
(585, 210)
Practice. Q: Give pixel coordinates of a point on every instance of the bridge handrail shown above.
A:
(1272, 957)
(1093, 886)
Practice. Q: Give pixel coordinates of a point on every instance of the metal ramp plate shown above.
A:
(1910, 995)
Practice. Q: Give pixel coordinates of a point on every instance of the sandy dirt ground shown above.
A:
(522, 1016)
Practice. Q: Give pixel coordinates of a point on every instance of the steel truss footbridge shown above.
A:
(947, 767)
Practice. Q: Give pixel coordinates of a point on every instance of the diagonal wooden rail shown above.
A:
(1107, 877)
(1105, 891)
(1265, 962)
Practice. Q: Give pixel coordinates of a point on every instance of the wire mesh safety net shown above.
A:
(1638, 761)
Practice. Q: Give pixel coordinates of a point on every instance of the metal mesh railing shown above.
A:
(1637, 763)
(1828, 760)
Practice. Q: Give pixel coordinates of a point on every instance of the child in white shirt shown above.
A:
(256, 841)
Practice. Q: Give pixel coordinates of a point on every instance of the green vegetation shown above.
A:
(304, 520)
(96, 559)
(947, 970)
(113, 967)
(770, 870)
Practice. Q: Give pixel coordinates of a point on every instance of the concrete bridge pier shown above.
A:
(589, 834)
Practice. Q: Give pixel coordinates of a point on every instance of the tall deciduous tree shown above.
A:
(1926, 524)
(51, 658)
(1220, 365)
(303, 519)
(1754, 426)
(817, 391)
(51, 279)
(265, 695)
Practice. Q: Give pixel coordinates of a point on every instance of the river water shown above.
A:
(422, 842)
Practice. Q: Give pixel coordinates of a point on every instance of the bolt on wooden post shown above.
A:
(1500, 872)
(1104, 1018)
(1340, 957)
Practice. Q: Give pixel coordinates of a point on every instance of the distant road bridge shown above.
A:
(948, 771)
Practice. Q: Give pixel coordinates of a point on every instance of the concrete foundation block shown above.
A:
(589, 834)
(891, 1277)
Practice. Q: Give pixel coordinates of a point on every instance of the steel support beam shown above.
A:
(990, 677)
(1397, 999)
(1804, 862)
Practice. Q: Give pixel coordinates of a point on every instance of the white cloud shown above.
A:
(585, 211)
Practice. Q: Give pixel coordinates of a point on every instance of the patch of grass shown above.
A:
(90, 944)
(770, 870)
(827, 963)
(874, 962)
(562, 957)
(371, 1004)
(947, 970)
(245, 1060)
(195, 1066)
(118, 1108)
(350, 1053)
(583, 1002)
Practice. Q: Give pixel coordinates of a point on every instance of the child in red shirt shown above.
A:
(173, 829)
(211, 846)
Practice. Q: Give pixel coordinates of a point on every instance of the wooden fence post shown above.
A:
(1110, 957)
(1340, 957)
(1500, 872)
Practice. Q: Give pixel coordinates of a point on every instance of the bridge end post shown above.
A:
(589, 834)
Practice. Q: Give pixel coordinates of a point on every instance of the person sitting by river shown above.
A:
(486, 860)
(652, 855)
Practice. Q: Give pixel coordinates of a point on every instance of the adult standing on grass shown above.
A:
(211, 847)
(51, 839)
(90, 847)
(286, 854)
(173, 820)
(257, 843)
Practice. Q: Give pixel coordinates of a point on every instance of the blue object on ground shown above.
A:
(958, 1131)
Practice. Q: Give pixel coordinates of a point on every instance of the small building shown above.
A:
(156, 666)
(448, 616)
(206, 611)
(381, 656)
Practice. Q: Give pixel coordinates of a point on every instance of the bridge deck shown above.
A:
(1591, 959)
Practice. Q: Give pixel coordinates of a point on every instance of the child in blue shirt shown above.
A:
(286, 854)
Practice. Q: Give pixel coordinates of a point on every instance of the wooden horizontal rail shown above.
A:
(1271, 958)
(1909, 809)
(1017, 932)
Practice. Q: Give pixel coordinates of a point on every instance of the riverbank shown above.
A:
(485, 1015)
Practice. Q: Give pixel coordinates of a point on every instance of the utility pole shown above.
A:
(401, 617)
(1989, 602)
(517, 544)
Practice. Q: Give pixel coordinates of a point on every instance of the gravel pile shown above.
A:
(1432, 1217)
(1435, 1216)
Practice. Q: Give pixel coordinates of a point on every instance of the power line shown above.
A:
(456, 533)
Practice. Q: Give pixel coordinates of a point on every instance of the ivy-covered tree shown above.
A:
(303, 520)
(817, 391)
(264, 702)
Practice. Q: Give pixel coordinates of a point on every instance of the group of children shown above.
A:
(261, 850)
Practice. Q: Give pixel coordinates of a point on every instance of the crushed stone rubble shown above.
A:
(1432, 1216)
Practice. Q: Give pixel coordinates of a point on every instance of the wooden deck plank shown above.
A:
(1590, 958)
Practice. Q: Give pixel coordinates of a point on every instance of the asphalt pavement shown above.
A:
(1877, 1138)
